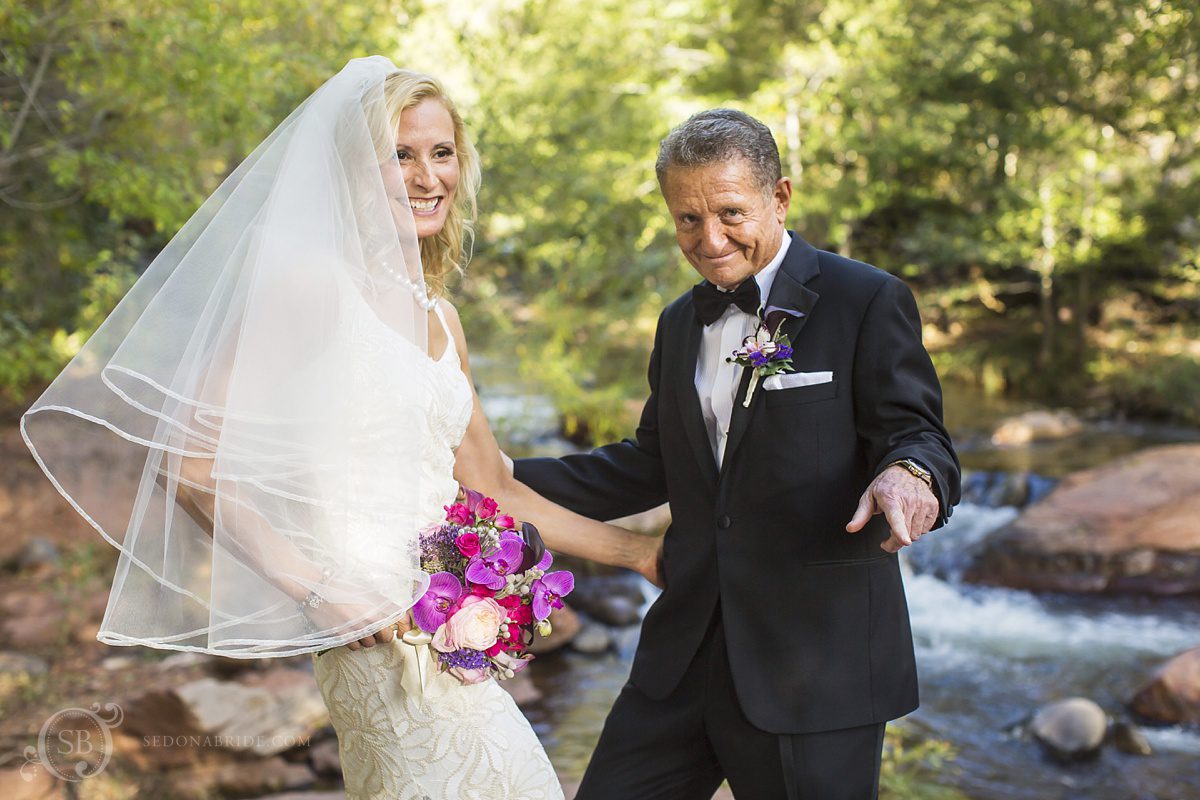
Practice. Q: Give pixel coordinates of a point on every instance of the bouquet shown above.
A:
(489, 591)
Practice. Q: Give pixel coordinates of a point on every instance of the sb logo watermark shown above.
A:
(75, 743)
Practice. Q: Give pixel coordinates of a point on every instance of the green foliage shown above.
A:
(117, 118)
(911, 765)
(1028, 166)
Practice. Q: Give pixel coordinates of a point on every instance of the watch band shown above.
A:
(916, 469)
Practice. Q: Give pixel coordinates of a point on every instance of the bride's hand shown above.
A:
(398, 628)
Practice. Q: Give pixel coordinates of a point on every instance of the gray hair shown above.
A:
(721, 135)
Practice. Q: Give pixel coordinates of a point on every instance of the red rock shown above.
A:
(1173, 694)
(1037, 426)
(42, 786)
(262, 713)
(240, 779)
(522, 689)
(565, 625)
(1129, 526)
(34, 632)
(325, 758)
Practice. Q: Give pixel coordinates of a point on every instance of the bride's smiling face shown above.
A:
(428, 165)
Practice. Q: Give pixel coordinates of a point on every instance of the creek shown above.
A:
(988, 657)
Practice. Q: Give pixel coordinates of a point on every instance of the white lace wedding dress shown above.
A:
(406, 731)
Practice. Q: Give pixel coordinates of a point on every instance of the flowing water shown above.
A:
(987, 657)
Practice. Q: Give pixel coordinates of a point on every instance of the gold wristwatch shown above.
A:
(915, 469)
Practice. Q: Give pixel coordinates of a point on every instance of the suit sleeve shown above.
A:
(897, 397)
(614, 480)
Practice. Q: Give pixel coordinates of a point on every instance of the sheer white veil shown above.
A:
(252, 455)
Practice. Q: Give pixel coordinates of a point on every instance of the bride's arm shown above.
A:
(480, 465)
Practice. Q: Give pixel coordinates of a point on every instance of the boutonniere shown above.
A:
(767, 351)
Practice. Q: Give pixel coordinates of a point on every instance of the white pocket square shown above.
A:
(790, 380)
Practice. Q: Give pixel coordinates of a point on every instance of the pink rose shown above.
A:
(477, 624)
(441, 640)
(506, 522)
(468, 544)
(487, 508)
(459, 514)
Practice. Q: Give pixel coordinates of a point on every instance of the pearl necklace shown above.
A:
(418, 290)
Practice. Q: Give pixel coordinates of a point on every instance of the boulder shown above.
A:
(565, 625)
(522, 689)
(1129, 739)
(592, 640)
(1128, 527)
(239, 779)
(1173, 695)
(40, 786)
(1036, 426)
(612, 599)
(1070, 729)
(36, 632)
(261, 714)
(325, 758)
(616, 610)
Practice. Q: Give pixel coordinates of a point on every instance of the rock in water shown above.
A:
(616, 610)
(1071, 729)
(1173, 695)
(522, 689)
(565, 625)
(1126, 527)
(1128, 738)
(1037, 426)
(593, 640)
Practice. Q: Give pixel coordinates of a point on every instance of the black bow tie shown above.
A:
(711, 302)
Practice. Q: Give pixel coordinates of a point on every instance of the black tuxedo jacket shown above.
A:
(815, 617)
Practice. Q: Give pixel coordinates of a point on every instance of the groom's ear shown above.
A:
(782, 197)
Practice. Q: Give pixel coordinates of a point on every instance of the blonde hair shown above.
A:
(448, 251)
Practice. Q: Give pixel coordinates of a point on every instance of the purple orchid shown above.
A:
(433, 609)
(492, 569)
(548, 592)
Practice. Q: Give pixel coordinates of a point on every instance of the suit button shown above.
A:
(724, 522)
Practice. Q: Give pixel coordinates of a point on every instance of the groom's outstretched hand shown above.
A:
(910, 506)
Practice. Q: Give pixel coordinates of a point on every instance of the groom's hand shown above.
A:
(911, 507)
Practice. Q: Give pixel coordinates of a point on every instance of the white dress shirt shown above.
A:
(717, 381)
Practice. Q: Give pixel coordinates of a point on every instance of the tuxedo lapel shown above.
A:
(788, 291)
(692, 418)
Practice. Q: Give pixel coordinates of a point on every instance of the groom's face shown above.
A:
(727, 225)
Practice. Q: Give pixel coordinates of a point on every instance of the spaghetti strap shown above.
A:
(446, 327)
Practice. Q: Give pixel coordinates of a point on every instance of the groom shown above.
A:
(781, 644)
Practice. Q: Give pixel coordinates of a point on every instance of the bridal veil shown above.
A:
(225, 397)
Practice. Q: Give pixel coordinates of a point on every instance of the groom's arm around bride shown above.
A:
(781, 644)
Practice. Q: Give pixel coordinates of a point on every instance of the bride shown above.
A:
(284, 401)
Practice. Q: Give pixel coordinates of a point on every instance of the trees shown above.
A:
(1029, 166)
(116, 119)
